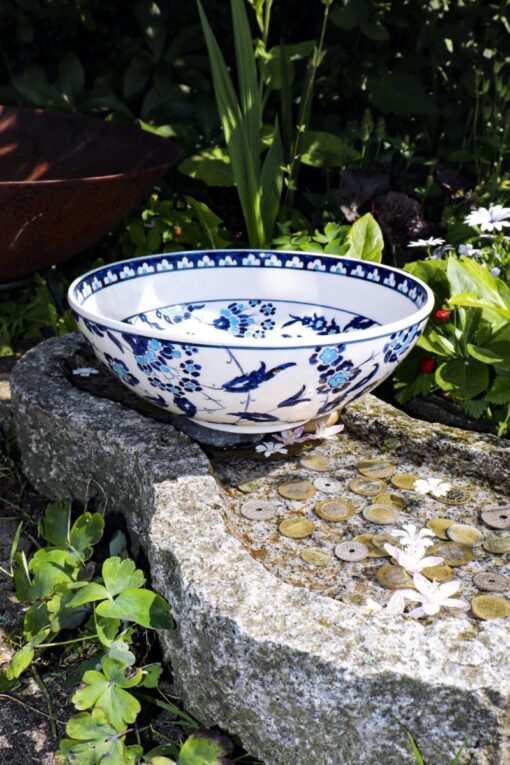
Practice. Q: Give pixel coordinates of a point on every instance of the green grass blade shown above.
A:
(271, 182)
(414, 746)
(249, 93)
(456, 759)
(237, 137)
(286, 105)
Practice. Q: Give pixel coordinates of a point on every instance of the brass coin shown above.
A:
(390, 499)
(351, 551)
(297, 490)
(248, 487)
(497, 519)
(491, 582)
(438, 573)
(373, 551)
(258, 510)
(376, 468)
(439, 526)
(497, 545)
(455, 496)
(367, 487)
(490, 607)
(452, 553)
(383, 514)
(316, 556)
(464, 534)
(315, 462)
(327, 485)
(404, 480)
(379, 540)
(335, 509)
(296, 528)
(393, 577)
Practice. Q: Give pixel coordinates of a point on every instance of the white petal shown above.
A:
(455, 603)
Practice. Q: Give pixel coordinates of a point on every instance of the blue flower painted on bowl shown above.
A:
(120, 369)
(268, 324)
(400, 343)
(191, 368)
(185, 405)
(337, 379)
(161, 385)
(190, 385)
(267, 309)
(328, 356)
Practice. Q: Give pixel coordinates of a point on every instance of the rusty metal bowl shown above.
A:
(65, 180)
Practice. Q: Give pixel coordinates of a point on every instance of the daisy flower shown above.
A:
(434, 486)
(489, 218)
(411, 558)
(322, 431)
(430, 242)
(409, 536)
(468, 251)
(291, 437)
(269, 448)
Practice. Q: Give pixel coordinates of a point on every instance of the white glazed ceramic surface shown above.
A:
(250, 341)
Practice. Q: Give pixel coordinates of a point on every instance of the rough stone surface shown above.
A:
(298, 676)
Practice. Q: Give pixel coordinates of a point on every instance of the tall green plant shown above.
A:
(259, 181)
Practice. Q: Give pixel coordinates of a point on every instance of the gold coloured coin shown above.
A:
(376, 468)
(393, 577)
(335, 509)
(491, 582)
(351, 551)
(248, 487)
(316, 556)
(259, 510)
(296, 528)
(373, 551)
(490, 606)
(379, 540)
(455, 496)
(390, 499)
(297, 490)
(315, 462)
(404, 480)
(497, 519)
(452, 553)
(439, 526)
(383, 514)
(497, 545)
(367, 487)
(464, 534)
(438, 573)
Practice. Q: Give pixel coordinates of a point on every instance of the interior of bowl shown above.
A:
(247, 294)
(42, 146)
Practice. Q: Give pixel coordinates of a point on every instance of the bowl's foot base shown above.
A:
(216, 436)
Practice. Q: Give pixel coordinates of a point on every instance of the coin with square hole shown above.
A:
(259, 510)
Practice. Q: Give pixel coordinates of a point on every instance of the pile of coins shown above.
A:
(317, 523)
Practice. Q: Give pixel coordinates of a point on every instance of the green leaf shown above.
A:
(93, 741)
(320, 149)
(205, 747)
(106, 691)
(414, 746)
(249, 94)
(71, 78)
(119, 650)
(22, 580)
(494, 353)
(86, 531)
(106, 629)
(55, 523)
(278, 69)
(37, 90)
(271, 182)
(151, 675)
(212, 166)
(400, 93)
(120, 575)
(465, 378)
(365, 239)
(89, 594)
(136, 76)
(141, 606)
(37, 618)
(50, 568)
(20, 661)
(500, 391)
(456, 759)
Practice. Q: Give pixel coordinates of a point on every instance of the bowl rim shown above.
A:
(172, 334)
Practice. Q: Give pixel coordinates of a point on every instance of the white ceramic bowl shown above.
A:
(250, 341)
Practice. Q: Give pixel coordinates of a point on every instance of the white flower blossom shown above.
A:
(85, 371)
(322, 431)
(291, 437)
(269, 448)
(412, 558)
(395, 605)
(489, 218)
(430, 242)
(432, 596)
(468, 251)
(434, 486)
(410, 537)
(495, 271)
